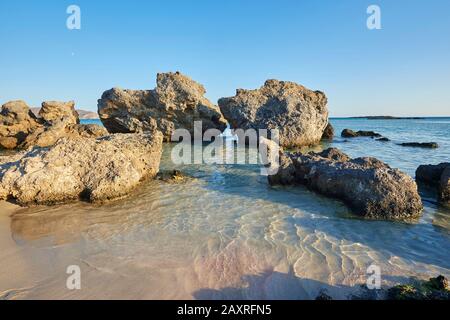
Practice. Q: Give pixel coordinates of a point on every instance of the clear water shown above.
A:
(225, 233)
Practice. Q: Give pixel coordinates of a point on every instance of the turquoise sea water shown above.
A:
(226, 233)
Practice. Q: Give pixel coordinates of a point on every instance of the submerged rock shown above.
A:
(300, 115)
(323, 296)
(171, 176)
(348, 133)
(384, 139)
(21, 129)
(370, 187)
(92, 169)
(437, 176)
(429, 145)
(328, 133)
(433, 289)
(176, 103)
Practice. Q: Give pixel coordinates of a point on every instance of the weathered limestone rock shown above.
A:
(16, 122)
(437, 176)
(300, 115)
(20, 128)
(92, 169)
(176, 103)
(370, 187)
(53, 112)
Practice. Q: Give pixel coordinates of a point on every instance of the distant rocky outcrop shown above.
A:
(387, 118)
(427, 145)
(21, 128)
(81, 168)
(176, 103)
(370, 187)
(300, 115)
(348, 133)
(437, 176)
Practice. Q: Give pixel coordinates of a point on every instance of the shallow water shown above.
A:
(225, 233)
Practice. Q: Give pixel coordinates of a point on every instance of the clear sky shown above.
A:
(402, 69)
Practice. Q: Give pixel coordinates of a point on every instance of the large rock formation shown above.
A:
(176, 103)
(300, 115)
(437, 176)
(370, 187)
(92, 169)
(20, 128)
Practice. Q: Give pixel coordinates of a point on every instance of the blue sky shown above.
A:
(403, 69)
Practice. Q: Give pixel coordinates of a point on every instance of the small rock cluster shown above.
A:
(348, 133)
(21, 129)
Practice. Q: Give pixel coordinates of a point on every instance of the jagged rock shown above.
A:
(328, 133)
(16, 122)
(300, 115)
(20, 128)
(437, 176)
(370, 187)
(429, 145)
(93, 169)
(176, 103)
(348, 133)
(54, 112)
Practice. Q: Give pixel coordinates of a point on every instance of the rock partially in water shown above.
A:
(348, 133)
(172, 176)
(92, 169)
(444, 186)
(21, 129)
(384, 139)
(328, 133)
(176, 103)
(370, 187)
(428, 145)
(300, 115)
(437, 176)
